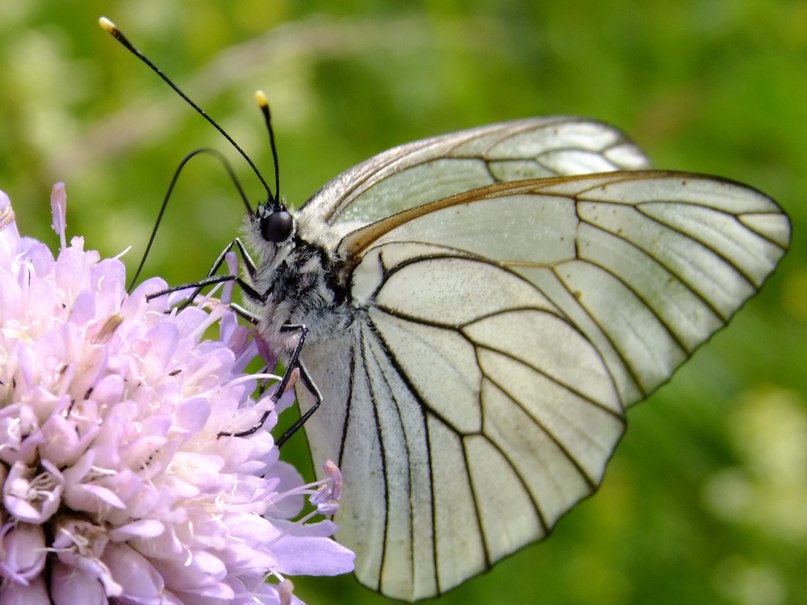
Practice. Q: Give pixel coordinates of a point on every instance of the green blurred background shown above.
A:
(706, 499)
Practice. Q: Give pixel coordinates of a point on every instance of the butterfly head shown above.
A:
(275, 223)
(271, 230)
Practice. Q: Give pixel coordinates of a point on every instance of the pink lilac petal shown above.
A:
(24, 557)
(138, 579)
(35, 593)
(202, 574)
(312, 556)
(147, 528)
(61, 443)
(58, 204)
(192, 414)
(70, 586)
(287, 478)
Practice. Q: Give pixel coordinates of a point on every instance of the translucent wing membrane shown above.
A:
(499, 335)
(440, 442)
(647, 264)
(431, 169)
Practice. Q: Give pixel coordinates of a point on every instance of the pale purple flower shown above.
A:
(115, 484)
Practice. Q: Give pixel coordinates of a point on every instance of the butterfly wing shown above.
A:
(499, 335)
(686, 249)
(450, 460)
(436, 168)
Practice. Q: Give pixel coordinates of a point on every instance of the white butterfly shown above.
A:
(481, 309)
(478, 311)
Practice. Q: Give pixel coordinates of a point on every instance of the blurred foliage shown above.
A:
(706, 499)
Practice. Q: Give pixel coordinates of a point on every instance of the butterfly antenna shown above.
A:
(164, 205)
(263, 104)
(110, 27)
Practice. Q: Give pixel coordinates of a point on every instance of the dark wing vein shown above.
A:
(659, 262)
(380, 394)
(424, 407)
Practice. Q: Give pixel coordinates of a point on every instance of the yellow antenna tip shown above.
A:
(260, 98)
(106, 24)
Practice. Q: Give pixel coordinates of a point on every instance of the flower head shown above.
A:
(115, 483)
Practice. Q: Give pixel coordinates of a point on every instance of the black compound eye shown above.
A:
(277, 227)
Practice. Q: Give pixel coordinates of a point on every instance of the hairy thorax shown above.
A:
(302, 287)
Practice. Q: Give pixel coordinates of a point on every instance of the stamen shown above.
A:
(284, 590)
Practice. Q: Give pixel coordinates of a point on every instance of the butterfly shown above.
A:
(481, 308)
(472, 315)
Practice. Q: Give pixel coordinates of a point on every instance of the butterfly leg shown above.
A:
(293, 363)
(245, 314)
(248, 262)
(211, 278)
(312, 388)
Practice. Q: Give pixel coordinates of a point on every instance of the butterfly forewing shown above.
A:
(432, 169)
(647, 264)
(499, 334)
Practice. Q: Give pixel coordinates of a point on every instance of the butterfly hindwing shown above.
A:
(449, 462)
